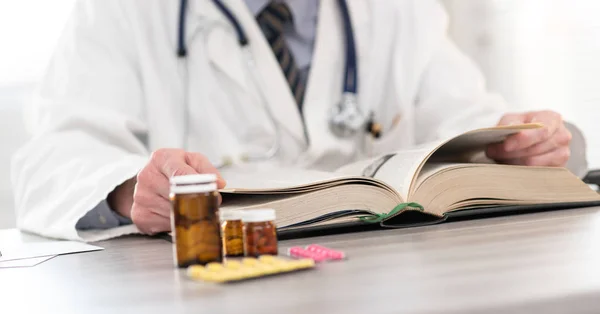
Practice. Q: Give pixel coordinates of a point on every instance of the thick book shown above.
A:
(423, 185)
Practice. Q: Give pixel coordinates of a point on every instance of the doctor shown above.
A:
(140, 90)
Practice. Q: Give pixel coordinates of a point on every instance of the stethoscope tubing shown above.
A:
(350, 83)
(351, 69)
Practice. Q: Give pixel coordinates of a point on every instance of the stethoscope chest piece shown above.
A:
(346, 118)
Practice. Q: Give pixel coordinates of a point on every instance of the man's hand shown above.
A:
(548, 146)
(145, 199)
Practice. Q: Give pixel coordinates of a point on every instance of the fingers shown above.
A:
(201, 164)
(151, 201)
(547, 146)
(149, 222)
(525, 139)
(555, 158)
(219, 198)
(552, 122)
(513, 119)
(173, 164)
(176, 162)
(561, 138)
(151, 211)
(151, 179)
(528, 138)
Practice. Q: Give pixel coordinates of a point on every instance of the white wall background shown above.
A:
(536, 53)
(28, 30)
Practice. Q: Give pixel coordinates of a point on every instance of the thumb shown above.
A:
(221, 183)
(512, 119)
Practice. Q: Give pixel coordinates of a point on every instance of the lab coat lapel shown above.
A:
(226, 54)
(211, 28)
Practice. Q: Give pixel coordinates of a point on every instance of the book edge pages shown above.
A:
(310, 187)
(517, 128)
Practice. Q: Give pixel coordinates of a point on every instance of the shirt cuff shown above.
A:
(101, 217)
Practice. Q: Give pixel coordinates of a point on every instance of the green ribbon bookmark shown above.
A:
(397, 209)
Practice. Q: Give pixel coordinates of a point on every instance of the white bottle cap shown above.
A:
(258, 215)
(191, 189)
(231, 214)
(194, 179)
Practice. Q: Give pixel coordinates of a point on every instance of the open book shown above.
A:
(433, 181)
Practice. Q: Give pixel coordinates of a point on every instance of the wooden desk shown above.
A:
(538, 263)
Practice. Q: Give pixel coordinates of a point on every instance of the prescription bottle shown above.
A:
(260, 235)
(233, 233)
(195, 220)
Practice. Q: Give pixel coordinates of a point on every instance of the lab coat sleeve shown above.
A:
(451, 96)
(102, 217)
(86, 121)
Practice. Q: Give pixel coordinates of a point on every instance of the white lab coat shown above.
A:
(114, 92)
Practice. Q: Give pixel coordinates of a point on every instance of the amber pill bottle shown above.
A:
(233, 233)
(195, 220)
(260, 234)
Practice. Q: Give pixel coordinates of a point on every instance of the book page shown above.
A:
(396, 169)
(275, 178)
(476, 141)
(431, 168)
(400, 169)
(469, 147)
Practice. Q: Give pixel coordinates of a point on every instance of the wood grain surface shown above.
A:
(536, 263)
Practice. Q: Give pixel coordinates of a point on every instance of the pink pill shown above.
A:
(329, 253)
(302, 253)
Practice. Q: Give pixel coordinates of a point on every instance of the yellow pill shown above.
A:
(260, 265)
(220, 279)
(273, 261)
(246, 273)
(280, 267)
(266, 258)
(236, 275)
(233, 264)
(279, 261)
(286, 266)
(261, 273)
(305, 263)
(254, 272)
(299, 264)
(227, 274)
(214, 267)
(206, 276)
(250, 261)
(270, 269)
(213, 277)
(296, 264)
(196, 271)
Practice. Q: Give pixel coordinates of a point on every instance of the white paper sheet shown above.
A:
(38, 249)
(28, 262)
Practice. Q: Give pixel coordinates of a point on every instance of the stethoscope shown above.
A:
(346, 119)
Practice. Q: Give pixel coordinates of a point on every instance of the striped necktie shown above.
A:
(271, 21)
